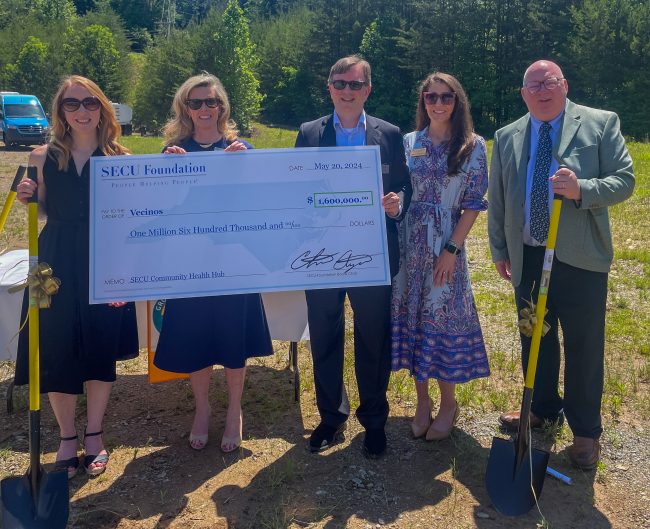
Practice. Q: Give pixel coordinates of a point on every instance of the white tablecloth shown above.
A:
(286, 314)
(13, 269)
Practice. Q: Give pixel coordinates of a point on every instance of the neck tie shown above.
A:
(539, 218)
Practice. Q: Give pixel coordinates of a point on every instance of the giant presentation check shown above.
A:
(199, 224)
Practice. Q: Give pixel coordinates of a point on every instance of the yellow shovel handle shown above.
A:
(540, 310)
(9, 201)
(34, 365)
(6, 209)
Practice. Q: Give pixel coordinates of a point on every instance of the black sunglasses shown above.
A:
(446, 98)
(340, 84)
(72, 104)
(196, 104)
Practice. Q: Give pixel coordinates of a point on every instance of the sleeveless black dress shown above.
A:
(201, 332)
(78, 341)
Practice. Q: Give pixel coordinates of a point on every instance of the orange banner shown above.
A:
(155, 314)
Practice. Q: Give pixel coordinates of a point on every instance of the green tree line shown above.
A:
(274, 55)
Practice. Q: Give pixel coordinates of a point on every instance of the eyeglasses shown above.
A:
(196, 104)
(72, 104)
(446, 98)
(340, 84)
(550, 83)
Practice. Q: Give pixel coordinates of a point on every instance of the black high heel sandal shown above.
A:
(98, 459)
(71, 464)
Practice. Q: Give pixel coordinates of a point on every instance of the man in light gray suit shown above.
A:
(577, 152)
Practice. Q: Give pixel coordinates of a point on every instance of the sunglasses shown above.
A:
(72, 104)
(340, 84)
(446, 98)
(196, 104)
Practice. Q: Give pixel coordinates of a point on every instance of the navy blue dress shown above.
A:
(78, 341)
(201, 332)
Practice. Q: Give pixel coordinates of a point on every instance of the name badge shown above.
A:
(422, 151)
(385, 168)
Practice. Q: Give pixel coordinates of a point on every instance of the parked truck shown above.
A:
(124, 115)
(22, 120)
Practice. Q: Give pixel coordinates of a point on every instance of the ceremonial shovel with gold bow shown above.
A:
(515, 471)
(39, 499)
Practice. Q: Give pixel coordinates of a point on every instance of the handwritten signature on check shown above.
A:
(345, 261)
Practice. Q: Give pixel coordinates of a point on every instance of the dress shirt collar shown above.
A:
(361, 124)
(554, 123)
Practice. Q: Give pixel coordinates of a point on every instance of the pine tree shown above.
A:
(229, 53)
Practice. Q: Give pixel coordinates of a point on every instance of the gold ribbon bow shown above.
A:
(528, 320)
(40, 277)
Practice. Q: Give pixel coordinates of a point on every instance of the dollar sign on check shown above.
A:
(310, 200)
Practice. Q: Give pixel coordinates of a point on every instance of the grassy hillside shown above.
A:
(262, 137)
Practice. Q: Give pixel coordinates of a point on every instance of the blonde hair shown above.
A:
(181, 127)
(108, 129)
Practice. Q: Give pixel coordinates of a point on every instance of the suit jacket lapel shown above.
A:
(327, 134)
(373, 134)
(568, 129)
(521, 148)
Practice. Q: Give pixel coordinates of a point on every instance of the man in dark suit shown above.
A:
(577, 152)
(349, 85)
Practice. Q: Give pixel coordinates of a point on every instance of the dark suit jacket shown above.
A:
(320, 133)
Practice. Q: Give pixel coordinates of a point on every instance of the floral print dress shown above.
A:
(435, 330)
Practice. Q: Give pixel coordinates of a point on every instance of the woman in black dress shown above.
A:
(79, 342)
(198, 333)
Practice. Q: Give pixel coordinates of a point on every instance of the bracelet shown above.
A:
(452, 247)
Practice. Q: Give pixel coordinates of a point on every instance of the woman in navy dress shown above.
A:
(79, 342)
(198, 333)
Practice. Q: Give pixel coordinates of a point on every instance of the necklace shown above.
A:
(207, 144)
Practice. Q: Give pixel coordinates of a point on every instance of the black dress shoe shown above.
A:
(325, 436)
(374, 443)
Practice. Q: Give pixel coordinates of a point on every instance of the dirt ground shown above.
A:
(154, 480)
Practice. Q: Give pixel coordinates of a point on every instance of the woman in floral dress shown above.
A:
(435, 328)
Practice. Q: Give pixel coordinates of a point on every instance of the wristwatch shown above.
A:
(452, 247)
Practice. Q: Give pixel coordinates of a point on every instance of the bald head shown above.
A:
(545, 66)
(545, 90)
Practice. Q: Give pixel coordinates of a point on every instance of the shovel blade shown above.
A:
(48, 510)
(508, 481)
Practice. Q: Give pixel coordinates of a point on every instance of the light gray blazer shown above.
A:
(590, 144)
